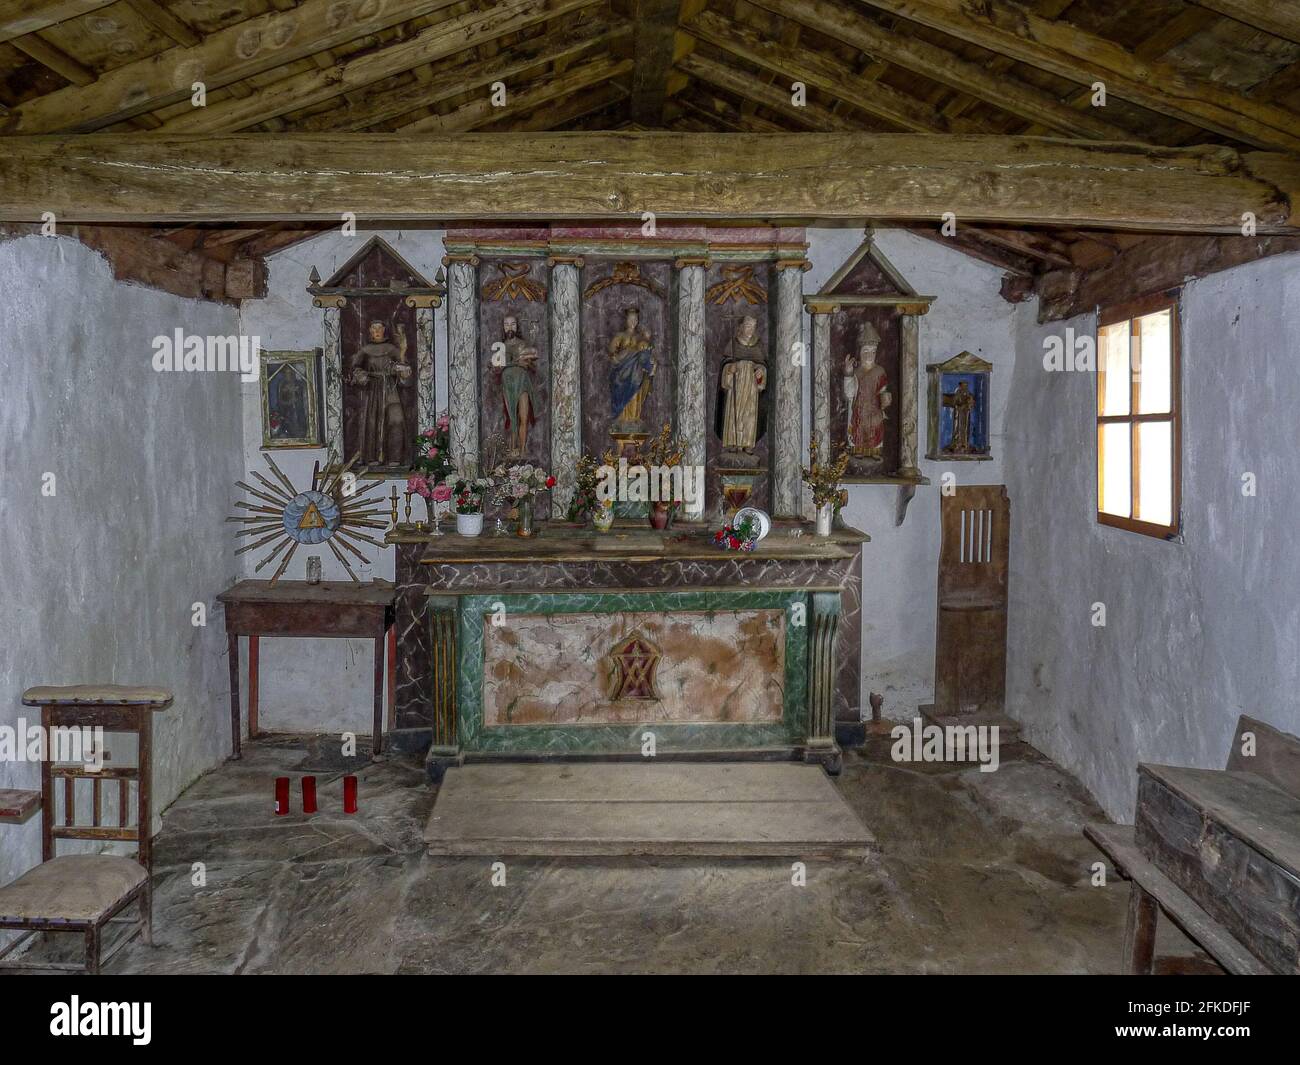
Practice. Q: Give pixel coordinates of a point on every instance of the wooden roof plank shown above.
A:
(1067, 51)
(1278, 17)
(21, 17)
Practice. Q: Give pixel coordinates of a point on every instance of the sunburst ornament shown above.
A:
(320, 515)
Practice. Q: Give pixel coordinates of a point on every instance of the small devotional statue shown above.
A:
(743, 378)
(866, 396)
(962, 403)
(631, 370)
(380, 371)
(517, 398)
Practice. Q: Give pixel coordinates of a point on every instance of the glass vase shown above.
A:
(525, 506)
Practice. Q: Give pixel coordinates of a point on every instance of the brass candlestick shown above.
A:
(392, 510)
(408, 506)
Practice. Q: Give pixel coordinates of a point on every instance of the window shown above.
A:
(1138, 429)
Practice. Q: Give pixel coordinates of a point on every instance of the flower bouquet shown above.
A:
(824, 480)
(467, 496)
(432, 467)
(585, 502)
(519, 485)
(739, 535)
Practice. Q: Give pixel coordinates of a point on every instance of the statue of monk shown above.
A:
(866, 391)
(517, 387)
(380, 370)
(962, 403)
(631, 370)
(742, 379)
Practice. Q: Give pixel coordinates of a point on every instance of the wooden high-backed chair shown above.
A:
(85, 892)
(970, 668)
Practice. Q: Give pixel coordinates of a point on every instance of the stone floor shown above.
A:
(979, 873)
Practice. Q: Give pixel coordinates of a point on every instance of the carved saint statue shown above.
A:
(520, 360)
(379, 368)
(631, 369)
(741, 382)
(962, 404)
(866, 395)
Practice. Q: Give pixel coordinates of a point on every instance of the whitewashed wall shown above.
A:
(100, 579)
(900, 564)
(309, 685)
(321, 685)
(1196, 632)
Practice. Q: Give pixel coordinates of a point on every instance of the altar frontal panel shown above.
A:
(591, 671)
(627, 667)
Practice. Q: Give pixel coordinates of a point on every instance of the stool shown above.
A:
(85, 892)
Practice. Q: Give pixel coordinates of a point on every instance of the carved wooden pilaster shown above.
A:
(790, 359)
(821, 354)
(823, 624)
(566, 378)
(426, 391)
(332, 369)
(907, 371)
(691, 405)
(462, 358)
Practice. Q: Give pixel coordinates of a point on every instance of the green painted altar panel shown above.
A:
(474, 735)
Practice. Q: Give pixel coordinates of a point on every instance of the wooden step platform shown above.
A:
(689, 809)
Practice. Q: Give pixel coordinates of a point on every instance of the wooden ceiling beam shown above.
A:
(21, 17)
(939, 64)
(578, 105)
(1278, 17)
(228, 55)
(747, 86)
(837, 176)
(482, 112)
(315, 86)
(1067, 51)
(557, 47)
(656, 29)
(820, 70)
(165, 22)
(57, 60)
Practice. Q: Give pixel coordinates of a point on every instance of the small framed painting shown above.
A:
(291, 398)
(959, 409)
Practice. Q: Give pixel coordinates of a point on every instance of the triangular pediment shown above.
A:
(964, 362)
(376, 266)
(867, 273)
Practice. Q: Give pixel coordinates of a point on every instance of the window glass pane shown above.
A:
(1151, 362)
(1155, 473)
(1114, 469)
(1114, 386)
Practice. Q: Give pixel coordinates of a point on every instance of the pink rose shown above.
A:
(428, 433)
(442, 493)
(444, 421)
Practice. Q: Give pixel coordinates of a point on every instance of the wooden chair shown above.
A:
(86, 892)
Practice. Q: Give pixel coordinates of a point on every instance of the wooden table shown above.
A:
(296, 608)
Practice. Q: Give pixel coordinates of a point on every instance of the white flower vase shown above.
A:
(469, 524)
(824, 515)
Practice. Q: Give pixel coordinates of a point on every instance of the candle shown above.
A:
(349, 795)
(309, 795)
(281, 796)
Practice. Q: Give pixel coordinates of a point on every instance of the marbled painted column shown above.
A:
(333, 373)
(907, 371)
(462, 357)
(566, 379)
(691, 405)
(823, 623)
(821, 356)
(425, 387)
(789, 362)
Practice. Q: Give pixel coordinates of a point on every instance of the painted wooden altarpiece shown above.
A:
(865, 350)
(378, 356)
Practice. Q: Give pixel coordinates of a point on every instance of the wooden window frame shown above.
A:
(1140, 308)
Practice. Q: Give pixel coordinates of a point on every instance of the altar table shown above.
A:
(580, 643)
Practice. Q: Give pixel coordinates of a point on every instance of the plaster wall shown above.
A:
(321, 685)
(1197, 631)
(101, 576)
(900, 564)
(326, 685)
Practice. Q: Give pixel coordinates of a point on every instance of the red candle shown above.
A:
(281, 796)
(349, 795)
(309, 795)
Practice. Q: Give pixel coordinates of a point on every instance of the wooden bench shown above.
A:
(1217, 851)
